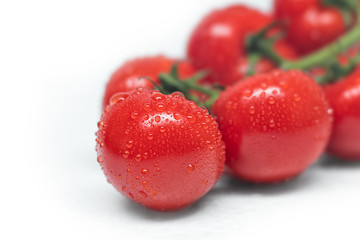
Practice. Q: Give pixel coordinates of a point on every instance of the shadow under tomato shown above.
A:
(329, 161)
(230, 184)
(134, 208)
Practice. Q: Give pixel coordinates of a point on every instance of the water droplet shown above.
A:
(150, 136)
(252, 110)
(263, 95)
(145, 155)
(120, 176)
(273, 137)
(297, 97)
(160, 107)
(263, 86)
(192, 105)
(129, 171)
(99, 159)
(191, 118)
(144, 171)
(157, 119)
(134, 115)
(126, 154)
(271, 100)
(330, 111)
(264, 128)
(147, 107)
(123, 188)
(157, 96)
(190, 168)
(100, 124)
(247, 93)
(143, 194)
(129, 144)
(177, 116)
(154, 193)
(162, 129)
(138, 157)
(272, 123)
(118, 97)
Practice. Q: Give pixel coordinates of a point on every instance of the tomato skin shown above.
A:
(274, 125)
(291, 9)
(126, 77)
(163, 152)
(344, 98)
(315, 28)
(218, 42)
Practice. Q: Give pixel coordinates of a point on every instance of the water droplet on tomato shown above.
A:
(157, 96)
(190, 168)
(162, 129)
(144, 171)
(252, 110)
(150, 136)
(99, 159)
(143, 194)
(160, 107)
(134, 115)
(126, 154)
(271, 100)
(118, 97)
(177, 116)
(297, 98)
(129, 144)
(138, 157)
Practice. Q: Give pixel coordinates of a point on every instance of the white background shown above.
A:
(55, 57)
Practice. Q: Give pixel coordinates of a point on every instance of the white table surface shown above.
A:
(55, 58)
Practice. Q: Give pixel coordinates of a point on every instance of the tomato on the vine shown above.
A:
(218, 43)
(344, 98)
(315, 28)
(274, 125)
(161, 151)
(288, 10)
(127, 77)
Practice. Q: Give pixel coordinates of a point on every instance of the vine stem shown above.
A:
(320, 58)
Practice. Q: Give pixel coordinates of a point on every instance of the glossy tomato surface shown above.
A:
(161, 151)
(218, 43)
(290, 9)
(344, 98)
(315, 28)
(274, 125)
(126, 77)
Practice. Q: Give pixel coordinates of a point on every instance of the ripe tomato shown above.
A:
(315, 28)
(274, 125)
(126, 77)
(290, 9)
(161, 151)
(344, 98)
(218, 43)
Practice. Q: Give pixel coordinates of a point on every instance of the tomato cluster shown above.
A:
(265, 94)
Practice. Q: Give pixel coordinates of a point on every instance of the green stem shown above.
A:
(320, 58)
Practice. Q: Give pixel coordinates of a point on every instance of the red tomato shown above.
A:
(291, 9)
(161, 151)
(315, 28)
(274, 125)
(344, 98)
(218, 42)
(126, 77)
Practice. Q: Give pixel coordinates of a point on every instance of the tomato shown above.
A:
(274, 125)
(290, 9)
(344, 98)
(218, 42)
(315, 28)
(161, 151)
(126, 77)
